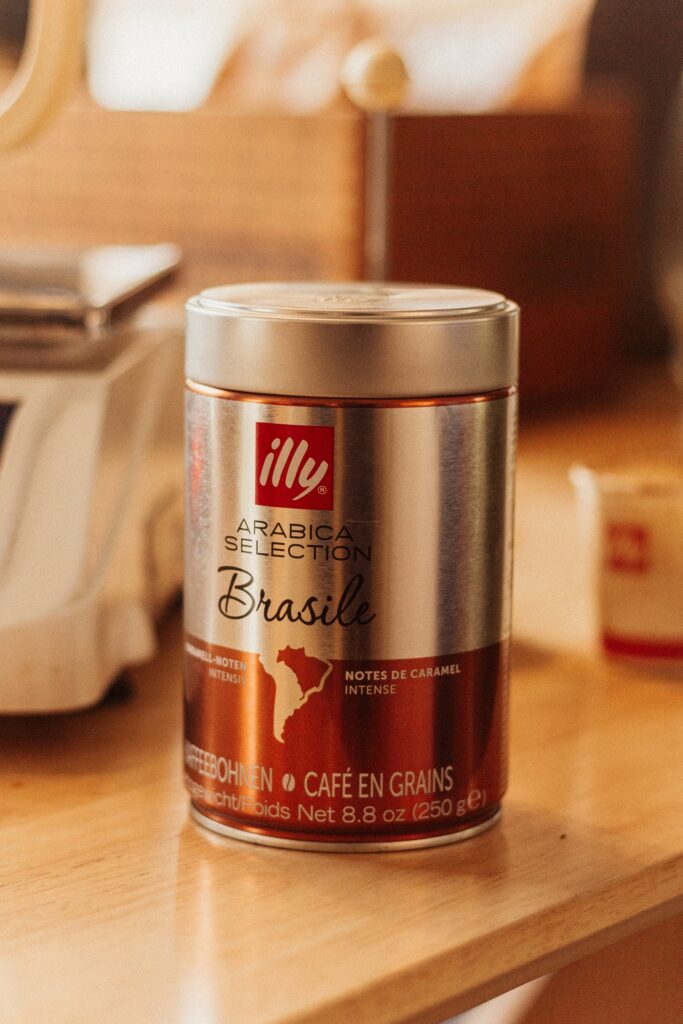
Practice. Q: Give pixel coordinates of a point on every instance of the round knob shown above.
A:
(374, 76)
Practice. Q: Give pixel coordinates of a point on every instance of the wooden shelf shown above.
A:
(116, 907)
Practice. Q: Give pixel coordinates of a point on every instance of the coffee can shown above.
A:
(350, 459)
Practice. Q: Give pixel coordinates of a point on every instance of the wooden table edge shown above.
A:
(423, 994)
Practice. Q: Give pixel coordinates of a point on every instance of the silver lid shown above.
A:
(352, 340)
(61, 306)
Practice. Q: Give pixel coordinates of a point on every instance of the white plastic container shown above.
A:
(631, 519)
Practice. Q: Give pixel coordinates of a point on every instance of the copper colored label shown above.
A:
(344, 750)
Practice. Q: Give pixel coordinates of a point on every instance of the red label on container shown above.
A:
(294, 466)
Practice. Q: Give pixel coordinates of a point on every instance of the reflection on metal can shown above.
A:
(349, 512)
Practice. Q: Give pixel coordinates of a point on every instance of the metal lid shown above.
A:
(352, 340)
(60, 304)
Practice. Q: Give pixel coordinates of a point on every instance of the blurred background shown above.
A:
(536, 153)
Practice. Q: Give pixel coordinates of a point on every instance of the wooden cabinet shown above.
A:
(537, 205)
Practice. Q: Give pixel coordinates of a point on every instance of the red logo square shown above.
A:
(628, 547)
(294, 466)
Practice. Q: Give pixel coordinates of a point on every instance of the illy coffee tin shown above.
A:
(350, 454)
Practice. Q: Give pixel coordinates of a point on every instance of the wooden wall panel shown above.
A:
(245, 197)
(539, 206)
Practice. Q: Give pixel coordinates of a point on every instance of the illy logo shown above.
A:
(627, 547)
(294, 466)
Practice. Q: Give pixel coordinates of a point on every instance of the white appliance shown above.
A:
(90, 470)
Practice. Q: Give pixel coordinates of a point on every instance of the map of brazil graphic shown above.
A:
(297, 677)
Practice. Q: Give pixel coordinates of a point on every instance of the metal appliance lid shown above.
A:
(70, 295)
(356, 340)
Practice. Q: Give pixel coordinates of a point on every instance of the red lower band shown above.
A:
(639, 647)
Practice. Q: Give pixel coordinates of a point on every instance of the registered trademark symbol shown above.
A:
(322, 489)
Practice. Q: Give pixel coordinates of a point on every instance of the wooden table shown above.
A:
(116, 908)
